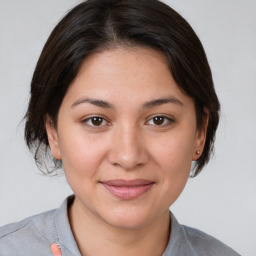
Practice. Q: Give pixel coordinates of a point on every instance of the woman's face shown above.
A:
(126, 135)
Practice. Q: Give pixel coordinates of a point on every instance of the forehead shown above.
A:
(140, 74)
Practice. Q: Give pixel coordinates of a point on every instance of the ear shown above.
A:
(201, 137)
(52, 137)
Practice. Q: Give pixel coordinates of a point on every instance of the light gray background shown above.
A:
(222, 200)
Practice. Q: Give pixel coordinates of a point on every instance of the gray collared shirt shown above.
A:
(34, 236)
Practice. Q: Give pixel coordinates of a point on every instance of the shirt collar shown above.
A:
(178, 243)
(65, 235)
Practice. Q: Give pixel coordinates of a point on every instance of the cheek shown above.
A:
(174, 157)
(175, 152)
(81, 155)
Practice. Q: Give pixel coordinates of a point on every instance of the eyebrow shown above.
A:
(162, 101)
(96, 102)
(149, 104)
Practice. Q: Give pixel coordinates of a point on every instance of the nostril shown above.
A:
(127, 150)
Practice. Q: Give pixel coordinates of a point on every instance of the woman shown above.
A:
(122, 98)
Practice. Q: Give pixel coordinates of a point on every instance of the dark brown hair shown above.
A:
(96, 25)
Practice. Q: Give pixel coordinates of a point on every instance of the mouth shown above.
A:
(127, 189)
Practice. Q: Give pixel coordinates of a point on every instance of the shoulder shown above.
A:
(187, 241)
(23, 236)
(204, 244)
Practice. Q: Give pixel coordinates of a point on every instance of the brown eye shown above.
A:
(95, 121)
(158, 120)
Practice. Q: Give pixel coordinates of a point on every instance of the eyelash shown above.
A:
(167, 121)
(88, 121)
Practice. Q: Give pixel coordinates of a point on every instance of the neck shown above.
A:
(94, 236)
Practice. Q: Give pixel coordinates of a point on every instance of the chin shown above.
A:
(128, 218)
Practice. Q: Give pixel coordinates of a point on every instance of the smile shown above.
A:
(128, 189)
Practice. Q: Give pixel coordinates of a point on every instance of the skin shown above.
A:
(127, 143)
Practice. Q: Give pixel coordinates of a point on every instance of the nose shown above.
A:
(128, 149)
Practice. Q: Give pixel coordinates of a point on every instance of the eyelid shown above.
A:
(170, 120)
(88, 118)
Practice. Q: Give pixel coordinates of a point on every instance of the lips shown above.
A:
(128, 189)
